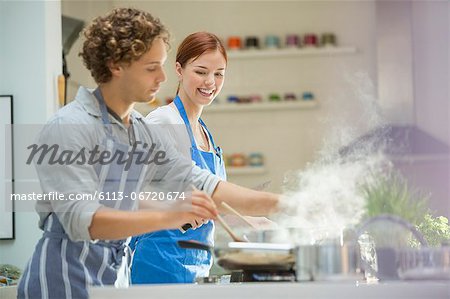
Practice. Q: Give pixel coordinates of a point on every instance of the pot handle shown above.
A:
(194, 245)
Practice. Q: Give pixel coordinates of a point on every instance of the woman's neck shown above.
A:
(115, 101)
(193, 111)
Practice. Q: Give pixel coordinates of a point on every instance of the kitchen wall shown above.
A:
(431, 50)
(394, 60)
(431, 56)
(413, 64)
(30, 61)
(288, 139)
(413, 83)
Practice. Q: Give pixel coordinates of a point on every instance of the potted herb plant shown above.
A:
(390, 194)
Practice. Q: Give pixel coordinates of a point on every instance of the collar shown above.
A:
(87, 99)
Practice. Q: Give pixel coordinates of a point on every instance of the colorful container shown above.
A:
(252, 42)
(255, 98)
(328, 39)
(290, 96)
(234, 43)
(274, 97)
(272, 42)
(307, 96)
(238, 160)
(310, 40)
(292, 41)
(233, 99)
(255, 159)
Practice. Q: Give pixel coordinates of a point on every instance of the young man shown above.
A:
(102, 143)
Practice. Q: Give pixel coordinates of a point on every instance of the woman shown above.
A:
(201, 61)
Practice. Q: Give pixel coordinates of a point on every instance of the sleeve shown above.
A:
(178, 172)
(204, 180)
(60, 171)
(162, 116)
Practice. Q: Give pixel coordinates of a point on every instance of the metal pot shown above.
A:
(338, 262)
(327, 262)
(305, 262)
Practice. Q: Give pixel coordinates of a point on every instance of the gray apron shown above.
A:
(62, 268)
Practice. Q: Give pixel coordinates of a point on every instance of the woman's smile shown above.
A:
(206, 92)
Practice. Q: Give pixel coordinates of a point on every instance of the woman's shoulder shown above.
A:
(164, 115)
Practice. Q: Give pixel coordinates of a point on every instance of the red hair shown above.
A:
(196, 44)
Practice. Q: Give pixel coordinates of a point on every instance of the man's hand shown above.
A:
(203, 209)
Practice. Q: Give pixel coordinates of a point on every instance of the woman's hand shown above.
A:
(246, 201)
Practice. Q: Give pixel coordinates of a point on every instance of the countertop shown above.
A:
(9, 292)
(317, 290)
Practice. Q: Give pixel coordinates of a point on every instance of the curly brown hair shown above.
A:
(123, 35)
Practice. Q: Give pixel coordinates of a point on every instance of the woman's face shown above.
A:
(201, 80)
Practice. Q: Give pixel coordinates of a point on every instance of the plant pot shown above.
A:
(387, 263)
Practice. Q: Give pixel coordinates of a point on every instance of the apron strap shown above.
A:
(105, 118)
(183, 115)
(179, 104)
(217, 149)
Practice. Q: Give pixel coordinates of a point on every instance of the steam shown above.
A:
(325, 197)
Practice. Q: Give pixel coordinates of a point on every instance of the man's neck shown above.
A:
(117, 102)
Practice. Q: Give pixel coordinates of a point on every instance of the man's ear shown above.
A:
(114, 68)
(178, 69)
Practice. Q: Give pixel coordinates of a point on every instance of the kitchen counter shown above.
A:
(337, 290)
(9, 292)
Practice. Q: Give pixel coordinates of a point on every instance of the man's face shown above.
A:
(141, 80)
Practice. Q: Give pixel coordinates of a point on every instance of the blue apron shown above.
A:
(62, 268)
(157, 257)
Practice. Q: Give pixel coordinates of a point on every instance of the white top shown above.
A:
(166, 115)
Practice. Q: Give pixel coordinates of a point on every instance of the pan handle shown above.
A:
(194, 245)
(185, 227)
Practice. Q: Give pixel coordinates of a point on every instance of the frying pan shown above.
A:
(249, 256)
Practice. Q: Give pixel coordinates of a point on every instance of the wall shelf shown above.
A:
(245, 170)
(290, 52)
(265, 106)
